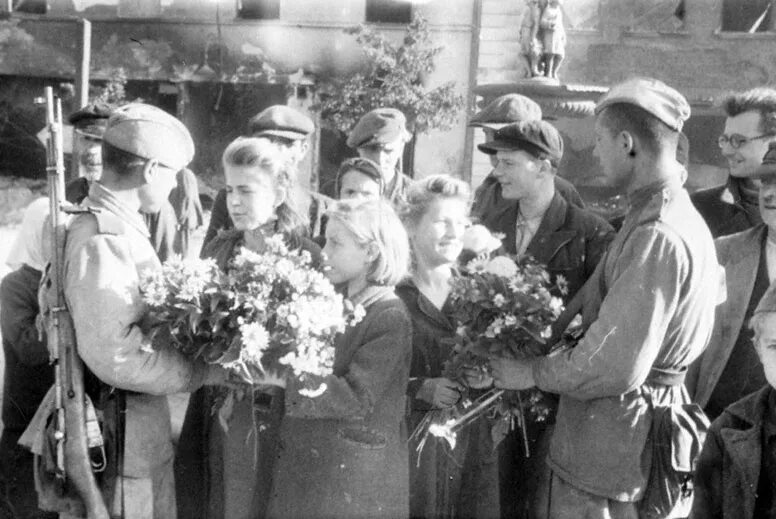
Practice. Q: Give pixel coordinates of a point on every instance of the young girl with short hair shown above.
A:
(344, 452)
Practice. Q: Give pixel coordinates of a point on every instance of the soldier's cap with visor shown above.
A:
(651, 95)
(281, 121)
(91, 120)
(380, 126)
(504, 110)
(534, 137)
(150, 133)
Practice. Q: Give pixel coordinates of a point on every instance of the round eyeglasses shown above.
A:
(737, 140)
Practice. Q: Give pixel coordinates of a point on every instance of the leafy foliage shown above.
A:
(394, 77)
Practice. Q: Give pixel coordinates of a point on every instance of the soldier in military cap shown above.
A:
(380, 136)
(729, 368)
(288, 129)
(143, 149)
(648, 312)
(567, 239)
(504, 110)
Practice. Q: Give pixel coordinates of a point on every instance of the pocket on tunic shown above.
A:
(363, 437)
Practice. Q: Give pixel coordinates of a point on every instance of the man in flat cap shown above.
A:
(648, 312)
(504, 110)
(143, 149)
(88, 126)
(288, 129)
(380, 136)
(749, 128)
(729, 368)
(567, 239)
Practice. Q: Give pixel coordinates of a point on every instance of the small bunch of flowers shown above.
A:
(269, 316)
(505, 307)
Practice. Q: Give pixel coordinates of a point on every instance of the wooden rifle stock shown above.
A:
(73, 462)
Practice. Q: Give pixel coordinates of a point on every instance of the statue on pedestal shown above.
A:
(543, 38)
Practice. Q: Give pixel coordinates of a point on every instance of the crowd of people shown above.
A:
(665, 332)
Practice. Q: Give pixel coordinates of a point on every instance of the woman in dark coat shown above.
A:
(444, 482)
(28, 374)
(344, 452)
(227, 474)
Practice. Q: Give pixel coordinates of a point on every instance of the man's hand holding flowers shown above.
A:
(440, 392)
(477, 377)
(512, 373)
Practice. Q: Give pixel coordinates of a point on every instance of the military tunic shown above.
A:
(105, 255)
(660, 276)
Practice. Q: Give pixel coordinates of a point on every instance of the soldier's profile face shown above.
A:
(610, 156)
(251, 196)
(157, 190)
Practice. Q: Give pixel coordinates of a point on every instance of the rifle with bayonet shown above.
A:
(74, 411)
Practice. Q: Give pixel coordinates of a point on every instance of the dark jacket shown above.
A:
(344, 453)
(214, 476)
(721, 208)
(444, 482)
(728, 471)
(570, 241)
(27, 378)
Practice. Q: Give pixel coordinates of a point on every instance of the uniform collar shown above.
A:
(103, 197)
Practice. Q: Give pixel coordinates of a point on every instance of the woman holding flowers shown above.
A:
(227, 473)
(444, 482)
(344, 452)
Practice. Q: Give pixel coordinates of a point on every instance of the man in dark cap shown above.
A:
(88, 126)
(749, 128)
(380, 136)
(567, 239)
(736, 474)
(143, 149)
(289, 130)
(504, 110)
(648, 312)
(729, 368)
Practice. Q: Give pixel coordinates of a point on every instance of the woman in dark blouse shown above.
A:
(444, 482)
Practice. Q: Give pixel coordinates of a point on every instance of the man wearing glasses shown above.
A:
(749, 128)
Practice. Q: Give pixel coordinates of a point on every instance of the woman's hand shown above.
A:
(440, 392)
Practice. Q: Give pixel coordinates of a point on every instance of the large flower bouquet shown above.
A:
(270, 316)
(505, 308)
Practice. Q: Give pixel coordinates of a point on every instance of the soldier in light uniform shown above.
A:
(656, 292)
(105, 254)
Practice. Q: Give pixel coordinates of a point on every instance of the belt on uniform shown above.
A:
(667, 376)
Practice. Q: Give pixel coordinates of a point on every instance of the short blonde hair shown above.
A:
(265, 155)
(422, 193)
(375, 223)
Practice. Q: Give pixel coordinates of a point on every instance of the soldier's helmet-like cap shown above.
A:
(150, 133)
(380, 126)
(507, 109)
(281, 121)
(531, 136)
(651, 95)
(768, 166)
(91, 120)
